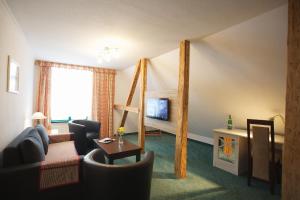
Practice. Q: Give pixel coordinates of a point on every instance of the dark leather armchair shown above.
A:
(131, 181)
(92, 128)
(91, 131)
(80, 139)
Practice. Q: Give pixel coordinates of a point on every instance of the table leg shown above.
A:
(138, 157)
(110, 161)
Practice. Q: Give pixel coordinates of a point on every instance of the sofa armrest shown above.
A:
(61, 137)
(20, 181)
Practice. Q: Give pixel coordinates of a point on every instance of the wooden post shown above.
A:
(143, 87)
(291, 157)
(182, 112)
(132, 90)
(127, 108)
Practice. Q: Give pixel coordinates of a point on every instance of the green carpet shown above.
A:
(203, 180)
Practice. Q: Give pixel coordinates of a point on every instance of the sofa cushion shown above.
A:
(61, 151)
(11, 154)
(36, 135)
(60, 168)
(32, 149)
(44, 136)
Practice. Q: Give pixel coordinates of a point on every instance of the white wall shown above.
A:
(239, 71)
(15, 109)
(122, 86)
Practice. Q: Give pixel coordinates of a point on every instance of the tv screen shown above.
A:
(158, 108)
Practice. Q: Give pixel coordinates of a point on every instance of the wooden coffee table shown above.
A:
(114, 150)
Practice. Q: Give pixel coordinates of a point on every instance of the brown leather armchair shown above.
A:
(115, 182)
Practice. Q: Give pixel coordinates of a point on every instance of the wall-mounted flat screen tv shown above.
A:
(158, 108)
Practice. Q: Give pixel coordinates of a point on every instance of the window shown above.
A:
(71, 94)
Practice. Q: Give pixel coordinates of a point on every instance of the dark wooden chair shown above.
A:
(261, 151)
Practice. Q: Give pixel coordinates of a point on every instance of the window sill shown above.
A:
(59, 121)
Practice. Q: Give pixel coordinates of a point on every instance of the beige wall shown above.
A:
(15, 109)
(239, 71)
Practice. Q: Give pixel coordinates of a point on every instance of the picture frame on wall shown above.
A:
(13, 76)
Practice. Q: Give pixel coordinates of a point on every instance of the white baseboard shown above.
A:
(200, 138)
(193, 136)
(206, 140)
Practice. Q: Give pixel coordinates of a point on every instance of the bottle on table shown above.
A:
(229, 122)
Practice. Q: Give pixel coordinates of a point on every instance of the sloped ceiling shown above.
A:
(75, 31)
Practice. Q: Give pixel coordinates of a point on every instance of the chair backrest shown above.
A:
(261, 160)
(91, 126)
(260, 152)
(115, 182)
(80, 139)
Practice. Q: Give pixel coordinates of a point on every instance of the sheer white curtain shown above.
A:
(71, 94)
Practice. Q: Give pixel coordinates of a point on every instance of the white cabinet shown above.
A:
(230, 150)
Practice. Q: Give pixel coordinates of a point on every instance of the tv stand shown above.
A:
(153, 132)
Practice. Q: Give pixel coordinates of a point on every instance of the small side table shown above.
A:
(60, 137)
(115, 151)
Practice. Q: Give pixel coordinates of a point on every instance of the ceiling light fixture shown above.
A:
(107, 54)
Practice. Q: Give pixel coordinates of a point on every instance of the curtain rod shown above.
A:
(43, 63)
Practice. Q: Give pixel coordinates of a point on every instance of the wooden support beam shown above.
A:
(126, 108)
(182, 112)
(143, 87)
(291, 157)
(132, 90)
(132, 109)
(119, 107)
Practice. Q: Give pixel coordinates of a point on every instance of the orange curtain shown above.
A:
(103, 100)
(103, 93)
(43, 94)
